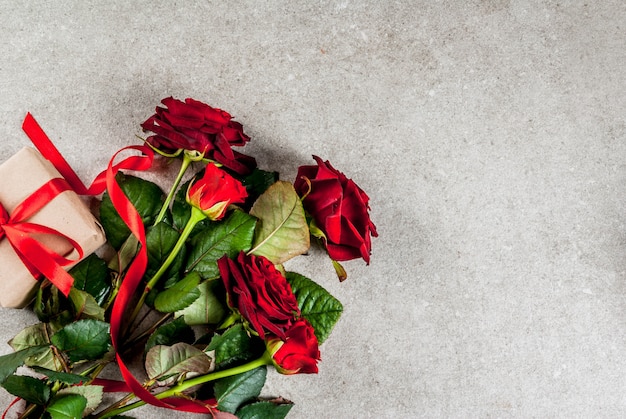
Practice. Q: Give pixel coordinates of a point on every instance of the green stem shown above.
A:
(27, 412)
(94, 374)
(116, 288)
(183, 168)
(265, 359)
(196, 216)
(114, 407)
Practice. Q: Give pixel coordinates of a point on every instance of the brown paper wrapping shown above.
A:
(21, 175)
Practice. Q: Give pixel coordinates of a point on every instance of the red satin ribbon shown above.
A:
(38, 258)
(137, 268)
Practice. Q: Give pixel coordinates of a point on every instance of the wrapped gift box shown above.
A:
(20, 176)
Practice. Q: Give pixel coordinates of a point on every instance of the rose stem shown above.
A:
(196, 216)
(183, 168)
(265, 359)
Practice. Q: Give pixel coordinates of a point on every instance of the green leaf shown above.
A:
(56, 376)
(229, 237)
(320, 308)
(171, 333)
(68, 406)
(163, 361)
(160, 240)
(28, 388)
(145, 196)
(265, 410)
(174, 272)
(83, 340)
(282, 232)
(180, 295)
(11, 362)
(232, 392)
(92, 275)
(85, 306)
(181, 210)
(233, 346)
(208, 308)
(257, 182)
(33, 336)
(93, 395)
(125, 255)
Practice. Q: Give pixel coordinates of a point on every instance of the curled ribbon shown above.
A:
(135, 272)
(38, 258)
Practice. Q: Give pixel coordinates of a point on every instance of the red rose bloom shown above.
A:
(196, 126)
(215, 192)
(260, 293)
(340, 210)
(298, 353)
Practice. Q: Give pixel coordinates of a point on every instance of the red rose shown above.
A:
(215, 192)
(196, 126)
(298, 352)
(260, 293)
(340, 210)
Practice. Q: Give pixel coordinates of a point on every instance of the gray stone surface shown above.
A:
(488, 134)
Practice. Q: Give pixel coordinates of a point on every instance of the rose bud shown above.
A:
(197, 127)
(260, 293)
(298, 352)
(339, 208)
(215, 192)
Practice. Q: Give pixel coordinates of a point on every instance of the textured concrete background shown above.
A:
(489, 135)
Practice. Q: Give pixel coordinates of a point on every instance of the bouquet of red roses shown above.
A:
(193, 283)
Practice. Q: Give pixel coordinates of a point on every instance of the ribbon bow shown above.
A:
(38, 258)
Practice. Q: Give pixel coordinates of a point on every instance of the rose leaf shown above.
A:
(92, 275)
(257, 182)
(160, 240)
(67, 406)
(232, 392)
(57, 376)
(85, 306)
(234, 345)
(206, 309)
(145, 196)
(163, 361)
(316, 304)
(228, 237)
(83, 340)
(181, 210)
(28, 388)
(92, 393)
(171, 333)
(32, 336)
(282, 232)
(264, 410)
(180, 295)
(11, 362)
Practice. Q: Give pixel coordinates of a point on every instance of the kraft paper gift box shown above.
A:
(20, 176)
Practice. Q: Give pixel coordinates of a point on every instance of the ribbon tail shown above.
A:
(39, 138)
